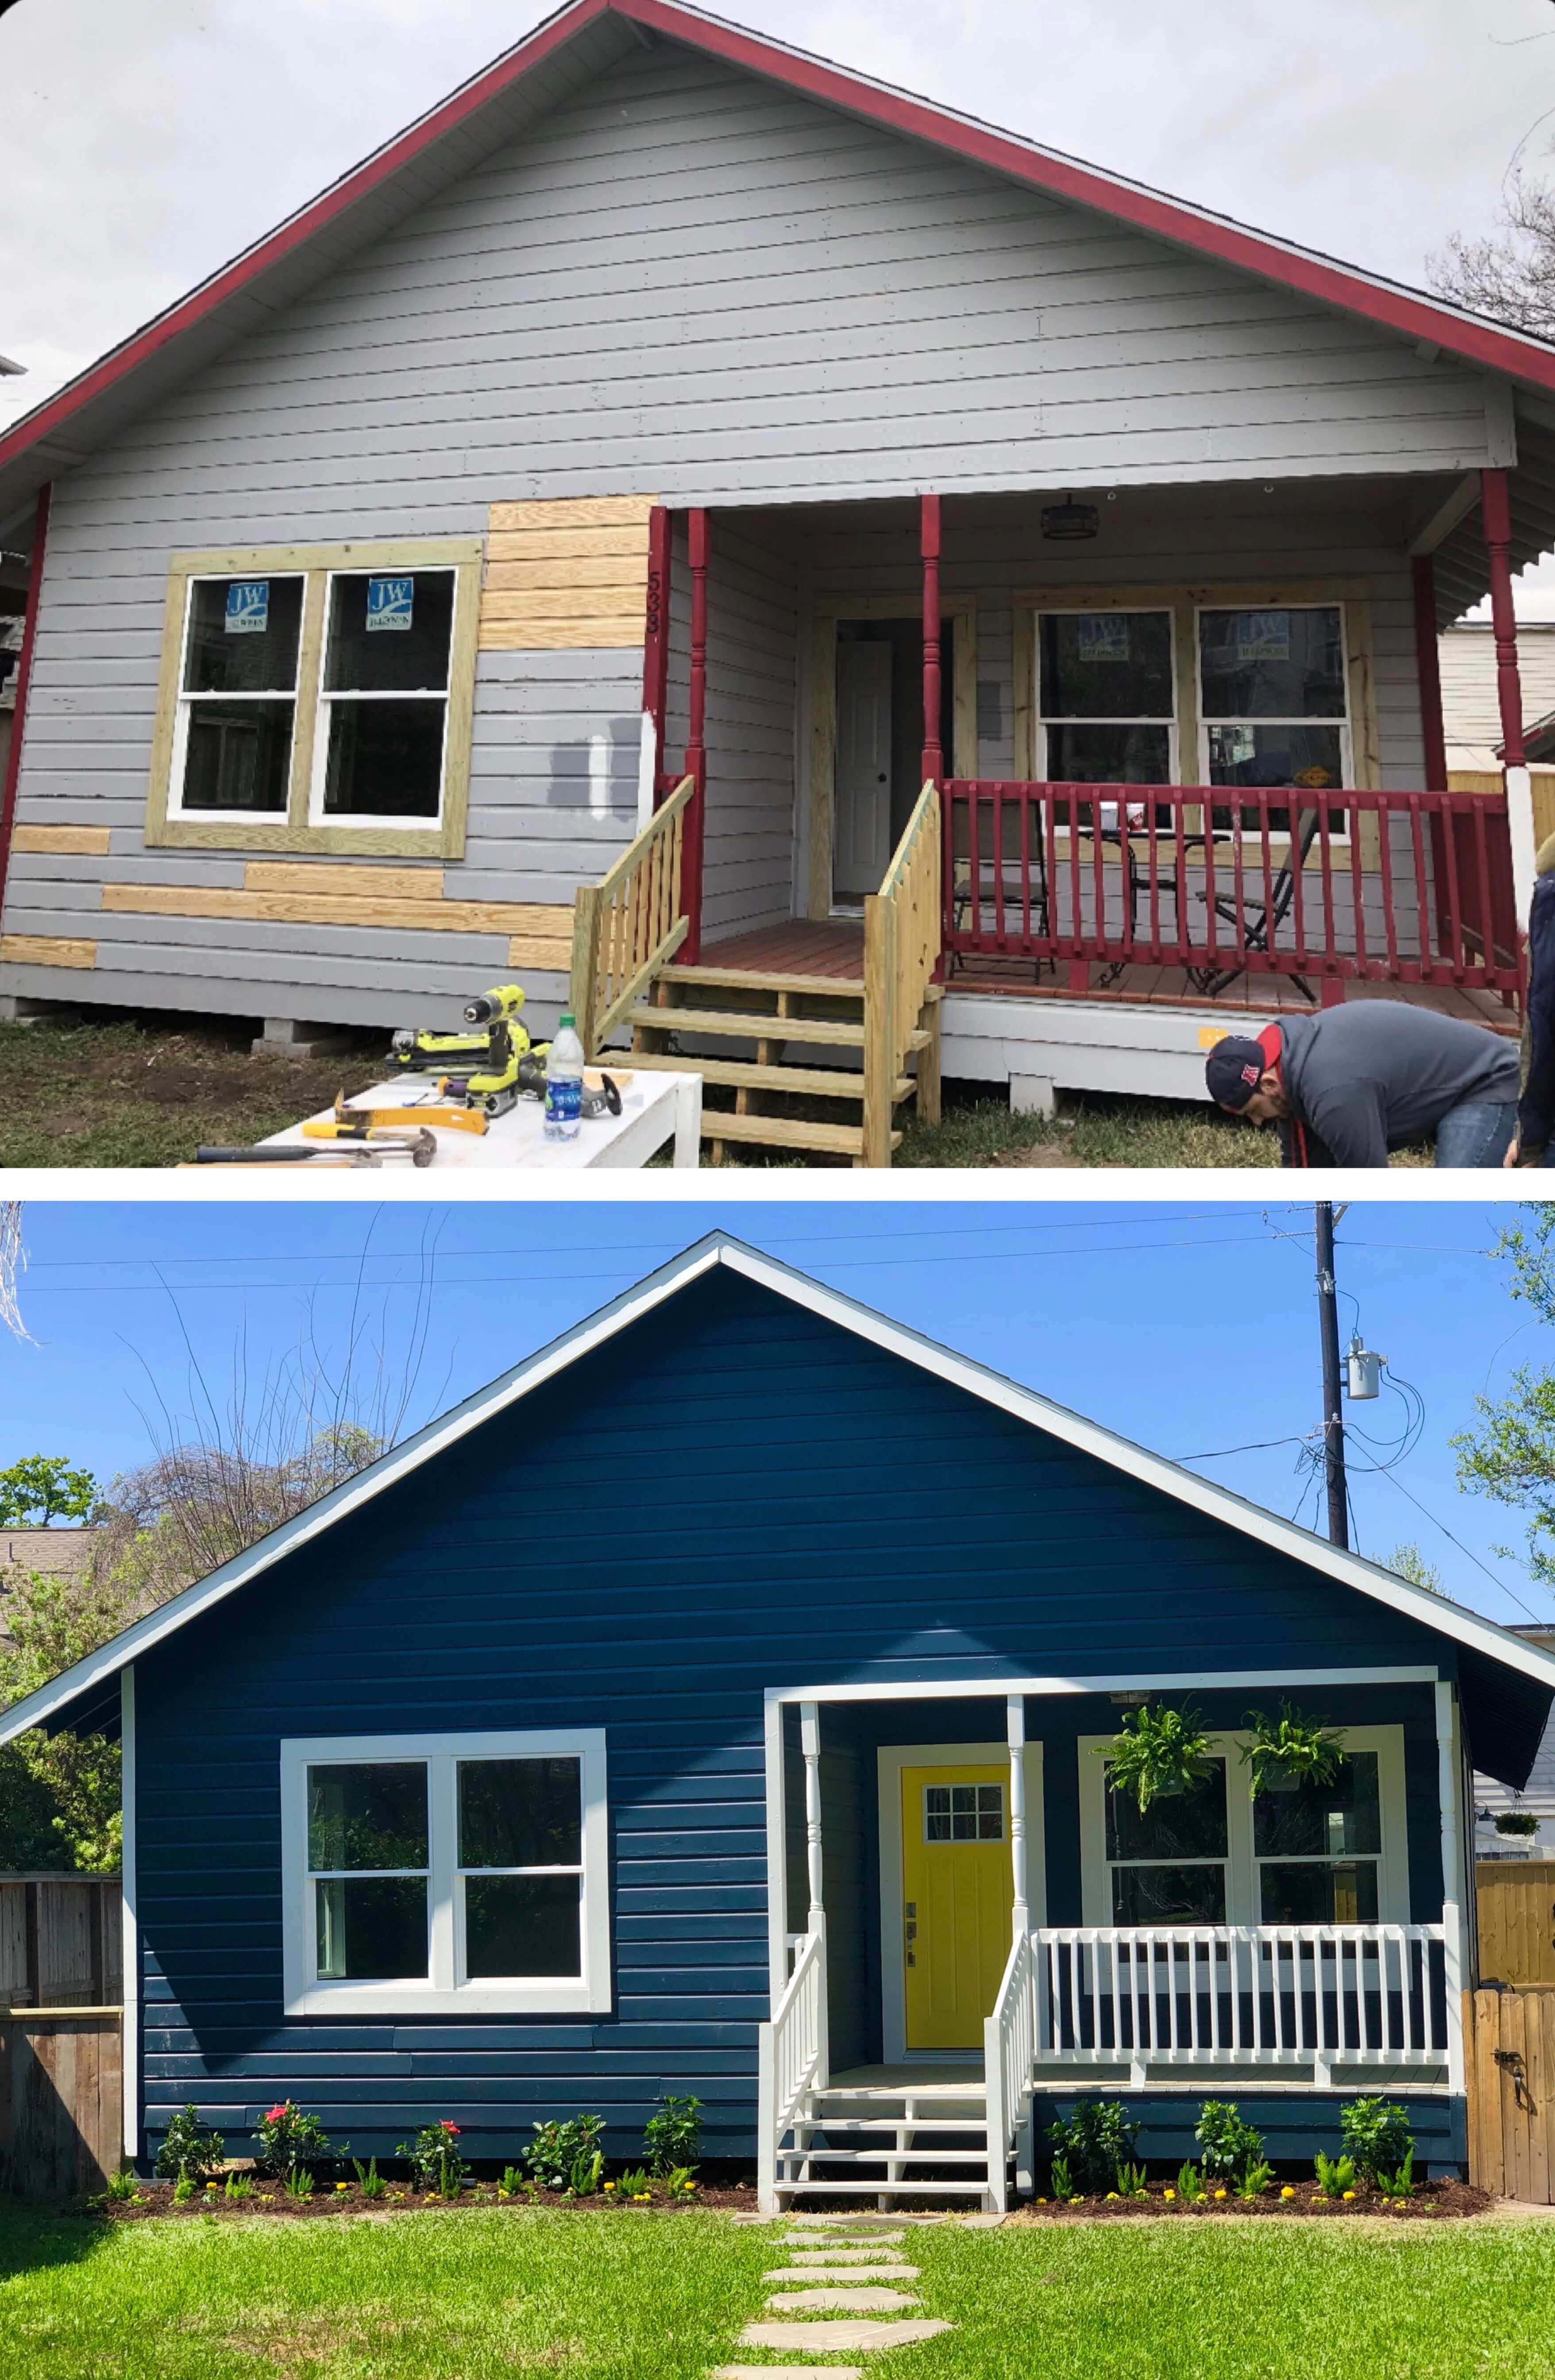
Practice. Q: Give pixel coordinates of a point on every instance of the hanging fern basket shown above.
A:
(1163, 1753)
(1289, 1751)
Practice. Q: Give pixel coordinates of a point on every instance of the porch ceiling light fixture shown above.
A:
(1069, 523)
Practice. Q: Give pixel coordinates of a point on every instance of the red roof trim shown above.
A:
(1333, 285)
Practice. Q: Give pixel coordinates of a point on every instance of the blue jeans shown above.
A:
(1477, 1133)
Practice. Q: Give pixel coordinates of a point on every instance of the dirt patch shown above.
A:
(296, 2346)
(155, 2201)
(1046, 1152)
(1432, 2202)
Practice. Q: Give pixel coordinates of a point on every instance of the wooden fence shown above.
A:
(61, 2034)
(1511, 2095)
(1518, 1921)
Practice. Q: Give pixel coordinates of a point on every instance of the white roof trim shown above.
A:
(1433, 1611)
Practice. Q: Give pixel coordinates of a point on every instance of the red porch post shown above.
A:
(934, 767)
(1497, 511)
(655, 663)
(696, 749)
(24, 679)
(1428, 665)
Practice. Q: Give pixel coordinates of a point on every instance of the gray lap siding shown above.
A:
(785, 1506)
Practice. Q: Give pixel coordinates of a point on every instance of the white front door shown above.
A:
(861, 845)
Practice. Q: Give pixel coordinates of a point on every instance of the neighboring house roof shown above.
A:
(570, 49)
(55, 1553)
(84, 1693)
(1538, 1796)
(1470, 705)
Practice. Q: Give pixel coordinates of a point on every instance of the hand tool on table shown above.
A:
(487, 1067)
(367, 1126)
(285, 1153)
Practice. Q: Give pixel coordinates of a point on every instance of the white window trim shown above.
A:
(1173, 723)
(444, 1992)
(891, 1760)
(1345, 726)
(374, 821)
(1242, 1895)
(186, 701)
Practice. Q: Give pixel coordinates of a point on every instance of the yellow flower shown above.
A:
(1041, 2201)
(1349, 2194)
(610, 2185)
(1171, 2194)
(1220, 2193)
(342, 2185)
(1287, 2192)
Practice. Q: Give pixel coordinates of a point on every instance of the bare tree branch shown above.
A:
(12, 1260)
(1510, 275)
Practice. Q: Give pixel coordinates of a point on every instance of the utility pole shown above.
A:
(1333, 1412)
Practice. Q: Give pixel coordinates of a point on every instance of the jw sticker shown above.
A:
(390, 602)
(1263, 636)
(247, 607)
(1103, 636)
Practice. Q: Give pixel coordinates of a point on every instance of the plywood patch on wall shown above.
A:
(566, 575)
(85, 841)
(410, 900)
(47, 949)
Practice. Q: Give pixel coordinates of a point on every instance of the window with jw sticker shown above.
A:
(247, 607)
(390, 602)
(1103, 636)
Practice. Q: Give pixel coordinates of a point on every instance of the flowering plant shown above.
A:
(290, 2142)
(435, 2159)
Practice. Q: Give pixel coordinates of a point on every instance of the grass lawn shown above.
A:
(469, 2296)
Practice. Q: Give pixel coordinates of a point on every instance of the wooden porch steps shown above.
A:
(779, 1102)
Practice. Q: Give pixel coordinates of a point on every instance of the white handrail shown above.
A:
(1009, 2046)
(1318, 1995)
(791, 2059)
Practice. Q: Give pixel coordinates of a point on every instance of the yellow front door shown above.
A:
(957, 1897)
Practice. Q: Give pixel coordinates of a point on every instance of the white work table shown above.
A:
(655, 1108)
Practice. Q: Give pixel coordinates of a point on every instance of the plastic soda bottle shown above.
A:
(564, 1083)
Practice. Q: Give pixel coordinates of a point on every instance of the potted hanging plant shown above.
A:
(1162, 1752)
(1289, 1751)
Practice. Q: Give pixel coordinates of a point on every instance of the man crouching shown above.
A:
(1348, 1086)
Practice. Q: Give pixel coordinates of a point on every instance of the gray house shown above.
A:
(793, 555)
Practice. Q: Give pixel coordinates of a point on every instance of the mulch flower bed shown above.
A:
(155, 2198)
(1431, 2201)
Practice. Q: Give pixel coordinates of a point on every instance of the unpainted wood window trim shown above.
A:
(442, 1993)
(315, 564)
(1241, 1862)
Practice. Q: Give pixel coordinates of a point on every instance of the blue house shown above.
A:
(775, 1777)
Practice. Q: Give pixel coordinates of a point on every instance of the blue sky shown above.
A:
(1188, 1327)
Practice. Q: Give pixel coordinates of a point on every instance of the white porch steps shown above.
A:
(887, 2142)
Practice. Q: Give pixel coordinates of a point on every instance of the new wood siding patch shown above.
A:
(569, 574)
(90, 842)
(412, 899)
(47, 949)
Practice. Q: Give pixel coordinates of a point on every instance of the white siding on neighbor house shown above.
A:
(1470, 705)
(686, 283)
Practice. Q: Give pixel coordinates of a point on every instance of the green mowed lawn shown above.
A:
(469, 2296)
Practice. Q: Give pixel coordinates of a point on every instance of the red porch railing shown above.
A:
(1226, 881)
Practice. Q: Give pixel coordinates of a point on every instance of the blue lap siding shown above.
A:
(756, 1498)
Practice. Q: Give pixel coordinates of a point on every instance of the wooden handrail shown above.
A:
(630, 925)
(902, 940)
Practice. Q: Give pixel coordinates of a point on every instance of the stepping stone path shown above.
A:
(838, 2270)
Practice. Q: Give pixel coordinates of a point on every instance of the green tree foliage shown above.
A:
(1509, 1454)
(1409, 1562)
(44, 1487)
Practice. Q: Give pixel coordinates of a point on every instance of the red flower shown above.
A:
(448, 2127)
(277, 2115)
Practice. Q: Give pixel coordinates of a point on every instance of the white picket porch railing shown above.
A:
(791, 2058)
(1309, 1997)
(1009, 2056)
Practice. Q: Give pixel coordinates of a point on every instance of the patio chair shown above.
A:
(1263, 919)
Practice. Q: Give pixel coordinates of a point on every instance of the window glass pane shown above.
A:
(1272, 664)
(1109, 756)
(238, 756)
(1323, 1820)
(1169, 1896)
(243, 635)
(1106, 665)
(389, 632)
(1320, 1894)
(523, 1925)
(520, 1814)
(372, 1814)
(1176, 1825)
(371, 1927)
(964, 1814)
(1276, 755)
(386, 759)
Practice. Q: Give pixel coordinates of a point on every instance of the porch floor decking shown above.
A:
(833, 947)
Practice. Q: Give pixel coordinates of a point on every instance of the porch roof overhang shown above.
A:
(589, 36)
(1506, 1682)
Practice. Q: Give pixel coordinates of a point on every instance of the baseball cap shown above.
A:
(1233, 1070)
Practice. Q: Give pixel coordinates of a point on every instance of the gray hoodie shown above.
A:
(1379, 1074)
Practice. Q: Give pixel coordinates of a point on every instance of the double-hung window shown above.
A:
(445, 1872)
(1306, 1854)
(1106, 697)
(1274, 705)
(318, 699)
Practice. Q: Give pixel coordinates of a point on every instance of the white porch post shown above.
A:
(1452, 1879)
(810, 1743)
(129, 1988)
(1016, 1729)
